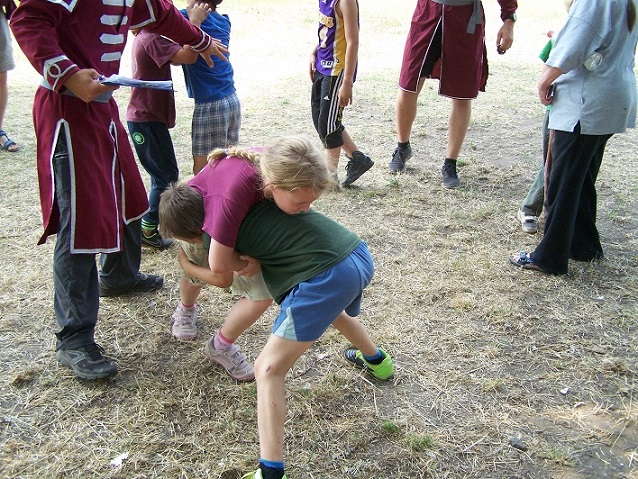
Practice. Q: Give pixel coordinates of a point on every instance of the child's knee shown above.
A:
(267, 368)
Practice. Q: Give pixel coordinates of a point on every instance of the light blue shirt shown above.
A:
(603, 100)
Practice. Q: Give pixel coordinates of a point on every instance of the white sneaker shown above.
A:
(184, 327)
(232, 360)
(529, 223)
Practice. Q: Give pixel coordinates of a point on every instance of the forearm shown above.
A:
(205, 275)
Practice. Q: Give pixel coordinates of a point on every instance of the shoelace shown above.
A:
(94, 351)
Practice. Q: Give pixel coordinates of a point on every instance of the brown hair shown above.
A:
(181, 211)
(631, 14)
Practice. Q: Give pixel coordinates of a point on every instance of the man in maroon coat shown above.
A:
(447, 42)
(91, 192)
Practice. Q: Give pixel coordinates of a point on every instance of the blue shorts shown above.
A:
(313, 305)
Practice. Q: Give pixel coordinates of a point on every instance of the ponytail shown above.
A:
(631, 14)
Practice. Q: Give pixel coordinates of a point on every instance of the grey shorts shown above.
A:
(252, 288)
(216, 125)
(6, 50)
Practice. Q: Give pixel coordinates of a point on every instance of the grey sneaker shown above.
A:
(232, 360)
(399, 157)
(87, 362)
(357, 166)
(184, 323)
(143, 283)
(450, 177)
(529, 223)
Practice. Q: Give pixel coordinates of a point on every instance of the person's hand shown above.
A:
(216, 48)
(197, 12)
(182, 259)
(85, 85)
(546, 84)
(345, 94)
(505, 37)
(311, 66)
(251, 269)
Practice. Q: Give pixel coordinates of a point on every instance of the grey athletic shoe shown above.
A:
(233, 360)
(87, 362)
(357, 166)
(143, 283)
(399, 157)
(529, 223)
(450, 177)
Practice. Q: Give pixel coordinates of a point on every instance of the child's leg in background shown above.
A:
(356, 333)
(221, 347)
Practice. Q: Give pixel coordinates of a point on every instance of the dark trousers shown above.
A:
(570, 222)
(154, 148)
(75, 276)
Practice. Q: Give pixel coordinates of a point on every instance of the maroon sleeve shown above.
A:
(164, 19)
(508, 7)
(34, 27)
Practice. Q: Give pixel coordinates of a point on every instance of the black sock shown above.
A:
(378, 359)
(450, 161)
(270, 472)
(404, 145)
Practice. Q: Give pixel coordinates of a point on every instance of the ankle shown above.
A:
(271, 469)
(220, 342)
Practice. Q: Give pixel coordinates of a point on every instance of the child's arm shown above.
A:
(349, 11)
(197, 12)
(252, 267)
(223, 259)
(186, 55)
(205, 275)
(313, 61)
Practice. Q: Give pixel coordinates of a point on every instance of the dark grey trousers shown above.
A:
(75, 276)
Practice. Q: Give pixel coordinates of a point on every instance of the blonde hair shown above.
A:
(295, 162)
(291, 163)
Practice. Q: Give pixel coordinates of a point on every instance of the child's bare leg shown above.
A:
(243, 315)
(354, 332)
(348, 146)
(274, 361)
(222, 349)
(332, 158)
(188, 292)
(199, 162)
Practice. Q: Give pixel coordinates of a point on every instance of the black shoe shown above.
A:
(399, 157)
(154, 240)
(143, 284)
(357, 166)
(87, 362)
(450, 178)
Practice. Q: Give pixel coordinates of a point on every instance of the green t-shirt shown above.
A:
(292, 248)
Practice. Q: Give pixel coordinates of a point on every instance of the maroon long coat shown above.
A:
(462, 67)
(59, 38)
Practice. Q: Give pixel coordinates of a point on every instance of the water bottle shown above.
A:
(593, 61)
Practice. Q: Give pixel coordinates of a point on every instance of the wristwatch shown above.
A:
(511, 16)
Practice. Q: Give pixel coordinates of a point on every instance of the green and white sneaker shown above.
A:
(257, 475)
(382, 371)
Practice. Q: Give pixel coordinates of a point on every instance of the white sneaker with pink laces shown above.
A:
(184, 327)
(232, 360)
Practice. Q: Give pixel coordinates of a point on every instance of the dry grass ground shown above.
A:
(501, 373)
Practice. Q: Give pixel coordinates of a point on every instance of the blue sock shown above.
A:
(271, 469)
(376, 359)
